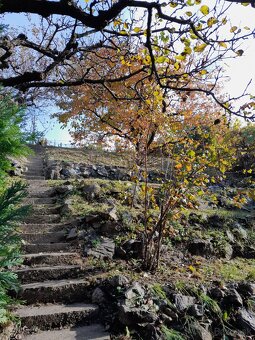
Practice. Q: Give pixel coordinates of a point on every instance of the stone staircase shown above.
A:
(54, 276)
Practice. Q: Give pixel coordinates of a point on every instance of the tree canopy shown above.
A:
(175, 42)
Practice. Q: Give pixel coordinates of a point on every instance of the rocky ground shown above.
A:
(82, 277)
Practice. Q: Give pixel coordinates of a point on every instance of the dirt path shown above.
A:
(53, 275)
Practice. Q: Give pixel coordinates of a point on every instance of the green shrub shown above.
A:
(10, 213)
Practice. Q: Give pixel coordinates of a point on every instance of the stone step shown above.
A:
(56, 316)
(92, 332)
(45, 209)
(41, 193)
(50, 237)
(35, 171)
(43, 227)
(40, 200)
(41, 274)
(60, 291)
(46, 259)
(34, 177)
(33, 217)
(47, 247)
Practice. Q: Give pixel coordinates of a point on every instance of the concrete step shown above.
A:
(57, 291)
(53, 259)
(56, 316)
(51, 237)
(40, 200)
(47, 247)
(51, 218)
(41, 274)
(43, 227)
(92, 332)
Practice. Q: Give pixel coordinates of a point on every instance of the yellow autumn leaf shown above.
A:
(245, 3)
(137, 29)
(211, 21)
(222, 44)
(173, 4)
(178, 166)
(233, 29)
(177, 66)
(200, 48)
(123, 32)
(247, 28)
(224, 21)
(189, 14)
(203, 72)
(180, 57)
(187, 50)
(161, 59)
(188, 167)
(204, 9)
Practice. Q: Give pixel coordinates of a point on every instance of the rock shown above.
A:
(91, 191)
(130, 249)
(131, 316)
(98, 296)
(230, 236)
(118, 281)
(183, 302)
(84, 172)
(67, 208)
(64, 189)
(104, 249)
(216, 293)
(232, 299)
(72, 234)
(239, 232)
(247, 289)
(200, 247)
(135, 292)
(107, 228)
(246, 320)
(149, 331)
(112, 213)
(227, 251)
(249, 252)
(196, 310)
(200, 332)
(101, 170)
(196, 218)
(216, 221)
(170, 313)
(68, 173)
